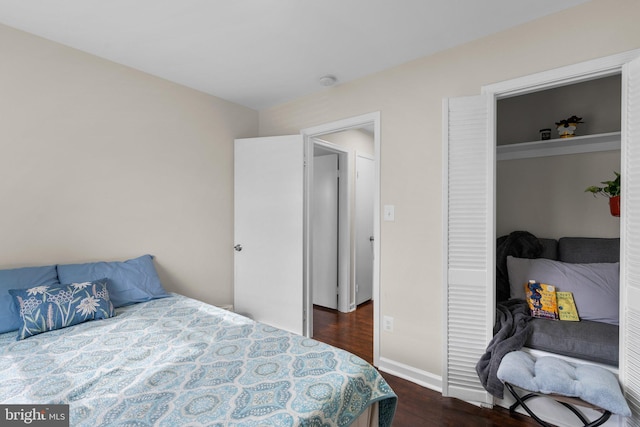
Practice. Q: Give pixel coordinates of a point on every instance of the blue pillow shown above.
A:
(21, 278)
(132, 281)
(47, 308)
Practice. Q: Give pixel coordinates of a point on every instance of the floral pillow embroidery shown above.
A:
(46, 308)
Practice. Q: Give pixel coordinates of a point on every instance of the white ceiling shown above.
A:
(259, 53)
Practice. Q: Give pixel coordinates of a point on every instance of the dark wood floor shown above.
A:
(417, 406)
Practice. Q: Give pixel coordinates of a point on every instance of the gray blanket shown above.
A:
(510, 332)
(521, 244)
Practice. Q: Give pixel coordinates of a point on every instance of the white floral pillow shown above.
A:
(46, 308)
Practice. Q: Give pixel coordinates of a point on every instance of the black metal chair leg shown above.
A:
(575, 411)
(520, 401)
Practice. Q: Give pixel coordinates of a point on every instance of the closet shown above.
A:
(540, 188)
(540, 183)
(470, 151)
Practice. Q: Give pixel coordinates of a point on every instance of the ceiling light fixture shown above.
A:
(328, 80)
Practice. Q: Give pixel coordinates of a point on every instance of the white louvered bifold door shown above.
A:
(630, 234)
(469, 242)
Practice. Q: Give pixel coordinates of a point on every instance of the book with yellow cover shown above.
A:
(542, 300)
(567, 307)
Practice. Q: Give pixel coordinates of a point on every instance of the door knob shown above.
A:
(371, 239)
(238, 248)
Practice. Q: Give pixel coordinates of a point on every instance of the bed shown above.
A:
(173, 360)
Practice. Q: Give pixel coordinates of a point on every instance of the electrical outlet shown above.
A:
(387, 323)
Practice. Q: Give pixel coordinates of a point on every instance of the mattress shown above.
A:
(178, 361)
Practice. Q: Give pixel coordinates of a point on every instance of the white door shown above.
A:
(324, 229)
(469, 266)
(364, 236)
(630, 235)
(268, 230)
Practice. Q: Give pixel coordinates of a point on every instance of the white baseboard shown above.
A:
(409, 373)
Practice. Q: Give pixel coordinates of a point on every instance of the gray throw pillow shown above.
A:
(595, 287)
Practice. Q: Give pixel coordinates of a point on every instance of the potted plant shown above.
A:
(611, 190)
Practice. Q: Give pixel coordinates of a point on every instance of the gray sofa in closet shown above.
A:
(589, 340)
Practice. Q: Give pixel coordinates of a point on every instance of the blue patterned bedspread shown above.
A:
(177, 361)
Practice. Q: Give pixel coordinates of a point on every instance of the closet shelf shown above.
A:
(558, 146)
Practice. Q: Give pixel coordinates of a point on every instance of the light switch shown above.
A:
(389, 213)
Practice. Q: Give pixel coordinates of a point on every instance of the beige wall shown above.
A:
(546, 196)
(102, 162)
(409, 98)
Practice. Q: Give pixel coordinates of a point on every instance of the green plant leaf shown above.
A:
(610, 189)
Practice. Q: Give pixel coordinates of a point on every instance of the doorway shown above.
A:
(469, 163)
(342, 219)
(349, 138)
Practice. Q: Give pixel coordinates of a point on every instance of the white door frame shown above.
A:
(316, 132)
(576, 73)
(562, 76)
(344, 224)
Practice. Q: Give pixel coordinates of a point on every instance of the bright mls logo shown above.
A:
(34, 415)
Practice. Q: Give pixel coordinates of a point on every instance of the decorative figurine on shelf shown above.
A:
(566, 128)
